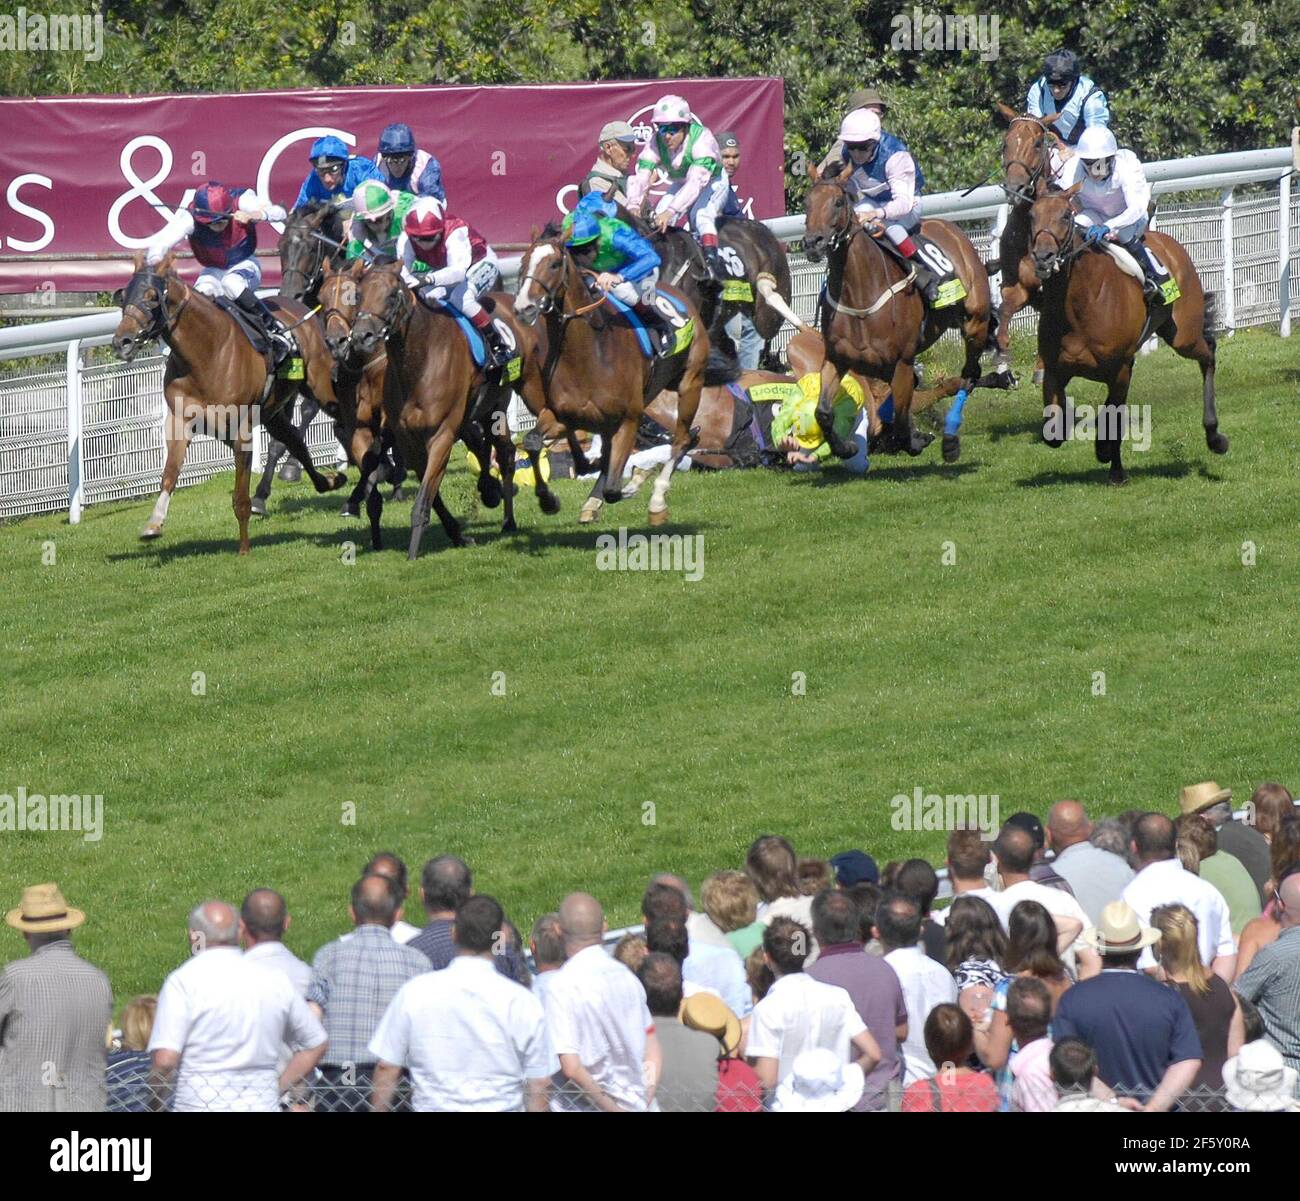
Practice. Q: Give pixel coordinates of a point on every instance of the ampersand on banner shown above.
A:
(142, 188)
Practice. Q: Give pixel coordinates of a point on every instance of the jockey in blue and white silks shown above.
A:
(335, 174)
(1112, 203)
(888, 183)
(1063, 89)
(406, 168)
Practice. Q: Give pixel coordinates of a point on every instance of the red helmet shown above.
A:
(212, 202)
(425, 222)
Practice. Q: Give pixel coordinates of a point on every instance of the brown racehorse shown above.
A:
(873, 317)
(594, 373)
(434, 390)
(216, 383)
(1094, 317)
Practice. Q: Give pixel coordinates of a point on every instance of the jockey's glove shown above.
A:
(1095, 234)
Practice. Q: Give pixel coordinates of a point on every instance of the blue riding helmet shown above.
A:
(328, 147)
(585, 229)
(595, 202)
(397, 139)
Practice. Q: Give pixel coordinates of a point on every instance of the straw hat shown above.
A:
(1257, 1079)
(1119, 931)
(819, 1082)
(44, 911)
(1196, 797)
(703, 1011)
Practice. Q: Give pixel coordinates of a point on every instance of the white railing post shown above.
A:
(1229, 310)
(75, 456)
(1284, 255)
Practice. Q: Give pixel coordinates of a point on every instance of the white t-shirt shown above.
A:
(469, 1036)
(228, 1017)
(1168, 882)
(1056, 901)
(802, 1014)
(596, 1009)
(925, 985)
(940, 916)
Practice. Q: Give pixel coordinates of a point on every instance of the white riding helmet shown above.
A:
(861, 125)
(672, 110)
(1096, 142)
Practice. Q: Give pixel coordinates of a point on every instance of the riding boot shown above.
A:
(498, 353)
(712, 259)
(662, 334)
(251, 304)
(940, 291)
(1158, 287)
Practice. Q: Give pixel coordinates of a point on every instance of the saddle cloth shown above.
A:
(684, 324)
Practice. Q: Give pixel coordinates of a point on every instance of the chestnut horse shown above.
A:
(1094, 317)
(873, 318)
(594, 374)
(216, 383)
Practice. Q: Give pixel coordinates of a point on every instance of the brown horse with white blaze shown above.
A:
(217, 383)
(1094, 317)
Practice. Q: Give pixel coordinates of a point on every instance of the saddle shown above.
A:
(673, 309)
(290, 368)
(477, 350)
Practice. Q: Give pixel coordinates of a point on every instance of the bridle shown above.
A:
(548, 303)
(1066, 249)
(1026, 195)
(839, 236)
(161, 323)
(397, 309)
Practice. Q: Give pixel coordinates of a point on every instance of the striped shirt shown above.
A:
(353, 982)
(1272, 982)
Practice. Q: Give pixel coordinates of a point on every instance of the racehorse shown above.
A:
(216, 382)
(873, 317)
(434, 390)
(1027, 165)
(594, 373)
(312, 239)
(1094, 317)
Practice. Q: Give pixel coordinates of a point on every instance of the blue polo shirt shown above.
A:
(1136, 1026)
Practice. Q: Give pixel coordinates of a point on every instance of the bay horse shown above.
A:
(1094, 317)
(434, 390)
(872, 315)
(594, 374)
(216, 383)
(312, 240)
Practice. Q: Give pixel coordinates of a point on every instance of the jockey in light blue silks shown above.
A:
(1111, 204)
(221, 225)
(335, 174)
(405, 168)
(888, 183)
(1062, 89)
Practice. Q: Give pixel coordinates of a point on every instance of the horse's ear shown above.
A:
(537, 233)
(1048, 122)
(1073, 188)
(814, 172)
(118, 296)
(167, 263)
(137, 263)
(1005, 111)
(356, 268)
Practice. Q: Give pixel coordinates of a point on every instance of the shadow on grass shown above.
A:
(1097, 474)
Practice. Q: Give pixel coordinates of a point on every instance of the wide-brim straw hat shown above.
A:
(1119, 931)
(1257, 1079)
(703, 1011)
(44, 911)
(1196, 797)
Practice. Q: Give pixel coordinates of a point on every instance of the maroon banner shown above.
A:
(82, 175)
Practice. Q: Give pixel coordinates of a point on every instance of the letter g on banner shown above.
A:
(143, 188)
(278, 147)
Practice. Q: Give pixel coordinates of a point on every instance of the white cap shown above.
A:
(861, 125)
(1096, 142)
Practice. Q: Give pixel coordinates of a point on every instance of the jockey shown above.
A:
(688, 154)
(862, 98)
(377, 215)
(1112, 204)
(1062, 89)
(221, 225)
(625, 264)
(450, 263)
(334, 174)
(608, 174)
(796, 432)
(888, 183)
(404, 168)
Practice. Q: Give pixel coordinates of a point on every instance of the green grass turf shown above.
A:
(370, 684)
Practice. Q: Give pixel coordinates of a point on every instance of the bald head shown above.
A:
(1067, 824)
(265, 916)
(214, 924)
(582, 920)
(1154, 838)
(1014, 849)
(1290, 894)
(375, 901)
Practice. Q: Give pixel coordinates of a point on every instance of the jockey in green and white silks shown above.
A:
(888, 183)
(1112, 203)
(687, 152)
(377, 215)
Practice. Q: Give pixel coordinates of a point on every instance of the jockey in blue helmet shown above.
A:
(335, 174)
(405, 168)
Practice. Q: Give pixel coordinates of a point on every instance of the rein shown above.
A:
(161, 323)
(1026, 196)
(842, 239)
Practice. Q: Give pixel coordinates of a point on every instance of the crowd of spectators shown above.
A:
(1141, 963)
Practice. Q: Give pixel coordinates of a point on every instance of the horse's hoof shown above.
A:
(257, 506)
(243, 550)
(1054, 443)
(614, 495)
(1217, 442)
(549, 503)
(509, 527)
(489, 491)
(639, 477)
(350, 510)
(150, 532)
(951, 448)
(291, 471)
(1104, 452)
(920, 441)
(589, 513)
(1038, 376)
(338, 480)
(463, 541)
(659, 517)
(1117, 479)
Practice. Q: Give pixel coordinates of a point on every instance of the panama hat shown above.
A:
(1119, 931)
(819, 1082)
(703, 1011)
(1196, 797)
(1257, 1079)
(44, 911)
